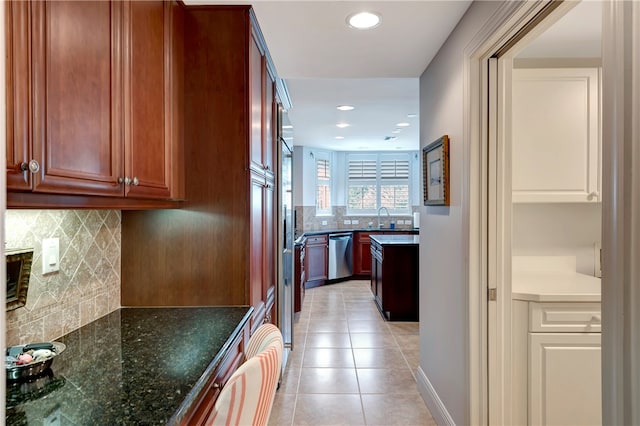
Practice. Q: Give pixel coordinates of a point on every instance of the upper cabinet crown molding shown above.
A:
(556, 135)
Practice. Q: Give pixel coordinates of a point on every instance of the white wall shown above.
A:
(443, 256)
(558, 229)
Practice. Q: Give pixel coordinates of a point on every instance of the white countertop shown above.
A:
(551, 279)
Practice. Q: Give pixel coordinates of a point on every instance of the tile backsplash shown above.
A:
(87, 286)
(306, 220)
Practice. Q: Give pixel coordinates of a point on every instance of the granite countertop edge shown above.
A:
(198, 387)
(300, 237)
(396, 240)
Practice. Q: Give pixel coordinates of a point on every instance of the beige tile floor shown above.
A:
(349, 366)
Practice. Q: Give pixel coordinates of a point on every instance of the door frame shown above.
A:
(487, 199)
(621, 214)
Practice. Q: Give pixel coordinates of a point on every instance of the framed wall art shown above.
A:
(18, 274)
(435, 172)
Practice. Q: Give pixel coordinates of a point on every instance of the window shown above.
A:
(323, 186)
(378, 180)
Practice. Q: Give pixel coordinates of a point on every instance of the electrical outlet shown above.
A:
(50, 255)
(355, 221)
(324, 222)
(597, 257)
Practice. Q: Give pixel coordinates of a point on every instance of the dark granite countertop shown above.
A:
(404, 240)
(337, 231)
(134, 366)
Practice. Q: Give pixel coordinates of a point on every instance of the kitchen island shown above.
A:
(137, 366)
(394, 275)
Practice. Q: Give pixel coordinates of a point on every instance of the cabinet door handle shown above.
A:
(135, 181)
(120, 180)
(127, 180)
(592, 195)
(34, 166)
(596, 318)
(24, 166)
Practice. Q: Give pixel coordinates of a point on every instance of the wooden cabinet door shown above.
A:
(18, 74)
(316, 256)
(77, 102)
(564, 379)
(256, 95)
(256, 250)
(147, 93)
(268, 157)
(362, 264)
(269, 249)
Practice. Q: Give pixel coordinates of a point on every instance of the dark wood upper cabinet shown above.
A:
(18, 77)
(222, 245)
(76, 80)
(94, 104)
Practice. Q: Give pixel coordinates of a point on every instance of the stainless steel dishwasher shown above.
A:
(340, 255)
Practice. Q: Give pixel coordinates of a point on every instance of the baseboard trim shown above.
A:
(433, 401)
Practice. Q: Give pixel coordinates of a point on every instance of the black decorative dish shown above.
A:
(42, 354)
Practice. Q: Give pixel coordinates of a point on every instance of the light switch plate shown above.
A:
(324, 222)
(355, 222)
(347, 222)
(50, 255)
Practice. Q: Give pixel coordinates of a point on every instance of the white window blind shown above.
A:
(323, 186)
(378, 180)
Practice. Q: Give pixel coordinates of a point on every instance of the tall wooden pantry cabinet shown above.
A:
(219, 248)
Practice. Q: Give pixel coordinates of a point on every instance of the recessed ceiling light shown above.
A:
(412, 115)
(339, 137)
(343, 125)
(396, 131)
(287, 126)
(364, 20)
(403, 124)
(345, 107)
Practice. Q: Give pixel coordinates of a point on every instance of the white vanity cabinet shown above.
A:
(556, 135)
(557, 372)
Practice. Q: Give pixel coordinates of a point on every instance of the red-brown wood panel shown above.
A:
(270, 243)
(256, 86)
(362, 255)
(257, 290)
(147, 93)
(77, 100)
(18, 74)
(268, 157)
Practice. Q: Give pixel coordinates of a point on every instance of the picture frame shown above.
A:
(435, 172)
(18, 274)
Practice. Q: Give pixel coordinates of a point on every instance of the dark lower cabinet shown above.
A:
(394, 276)
(317, 252)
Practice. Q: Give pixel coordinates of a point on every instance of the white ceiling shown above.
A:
(325, 64)
(578, 34)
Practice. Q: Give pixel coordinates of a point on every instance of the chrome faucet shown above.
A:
(388, 215)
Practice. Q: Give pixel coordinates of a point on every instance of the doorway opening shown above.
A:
(543, 218)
